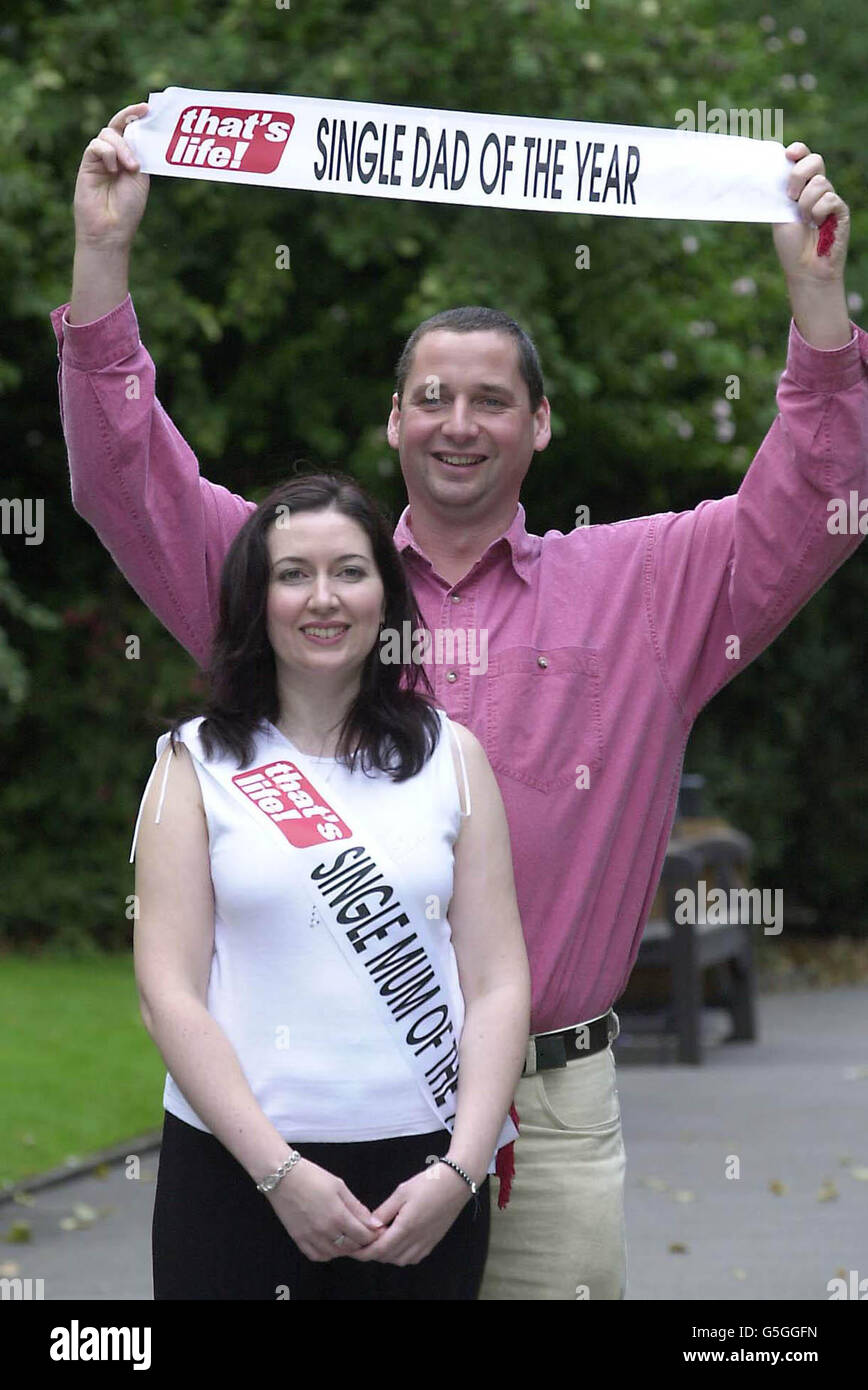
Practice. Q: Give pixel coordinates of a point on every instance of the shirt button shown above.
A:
(451, 676)
(543, 660)
(456, 598)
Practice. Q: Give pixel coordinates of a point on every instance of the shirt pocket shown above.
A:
(543, 714)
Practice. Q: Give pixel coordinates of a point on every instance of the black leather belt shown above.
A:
(582, 1040)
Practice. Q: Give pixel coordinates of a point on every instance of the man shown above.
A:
(602, 644)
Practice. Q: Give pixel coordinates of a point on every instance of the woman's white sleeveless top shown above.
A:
(306, 1029)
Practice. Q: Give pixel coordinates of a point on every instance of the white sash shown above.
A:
(376, 920)
(463, 157)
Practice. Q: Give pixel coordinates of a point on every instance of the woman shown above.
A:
(328, 937)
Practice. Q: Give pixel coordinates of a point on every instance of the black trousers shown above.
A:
(215, 1237)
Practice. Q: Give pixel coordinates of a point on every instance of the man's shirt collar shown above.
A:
(521, 545)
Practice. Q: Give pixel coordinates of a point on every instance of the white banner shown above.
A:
(462, 157)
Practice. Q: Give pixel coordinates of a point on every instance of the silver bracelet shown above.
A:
(270, 1183)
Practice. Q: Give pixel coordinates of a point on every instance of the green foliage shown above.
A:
(14, 680)
(260, 366)
(77, 769)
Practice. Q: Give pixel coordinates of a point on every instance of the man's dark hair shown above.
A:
(476, 319)
(390, 725)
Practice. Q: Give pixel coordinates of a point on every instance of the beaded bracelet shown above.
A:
(461, 1173)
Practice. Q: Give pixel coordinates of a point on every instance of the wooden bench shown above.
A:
(712, 851)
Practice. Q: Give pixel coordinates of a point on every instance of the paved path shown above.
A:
(789, 1108)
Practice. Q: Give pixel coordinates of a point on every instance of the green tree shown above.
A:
(260, 366)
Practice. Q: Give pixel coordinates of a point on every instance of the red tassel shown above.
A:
(827, 235)
(505, 1165)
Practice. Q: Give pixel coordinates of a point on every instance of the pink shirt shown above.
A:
(603, 643)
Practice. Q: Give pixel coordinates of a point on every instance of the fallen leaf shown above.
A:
(845, 1160)
(860, 1174)
(82, 1212)
(777, 1187)
(684, 1195)
(855, 1073)
(828, 1191)
(678, 1248)
(68, 1223)
(9, 1269)
(101, 1171)
(19, 1233)
(24, 1199)
(740, 1273)
(656, 1184)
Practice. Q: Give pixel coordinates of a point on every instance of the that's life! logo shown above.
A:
(292, 803)
(226, 137)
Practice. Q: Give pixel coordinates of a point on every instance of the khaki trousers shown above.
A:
(562, 1234)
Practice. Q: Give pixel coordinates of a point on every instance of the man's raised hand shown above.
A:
(110, 191)
(797, 242)
(813, 255)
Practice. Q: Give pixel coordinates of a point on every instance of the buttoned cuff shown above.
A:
(92, 346)
(826, 369)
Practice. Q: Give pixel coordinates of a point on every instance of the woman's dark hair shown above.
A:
(390, 724)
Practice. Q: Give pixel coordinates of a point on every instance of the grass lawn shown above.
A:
(78, 1069)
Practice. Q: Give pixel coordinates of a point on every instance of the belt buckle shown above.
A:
(574, 1042)
(551, 1051)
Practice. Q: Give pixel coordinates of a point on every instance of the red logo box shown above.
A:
(229, 137)
(283, 794)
